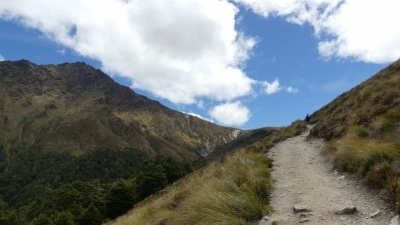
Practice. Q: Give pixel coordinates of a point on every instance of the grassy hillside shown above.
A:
(363, 127)
(235, 190)
(70, 126)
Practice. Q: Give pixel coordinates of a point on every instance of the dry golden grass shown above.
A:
(355, 154)
(371, 158)
(234, 191)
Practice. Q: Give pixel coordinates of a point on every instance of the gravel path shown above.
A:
(306, 178)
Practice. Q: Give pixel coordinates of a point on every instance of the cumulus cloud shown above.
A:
(2, 58)
(180, 50)
(352, 29)
(272, 87)
(231, 113)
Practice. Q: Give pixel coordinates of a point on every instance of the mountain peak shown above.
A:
(75, 108)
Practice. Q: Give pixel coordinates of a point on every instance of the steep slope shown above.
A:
(246, 138)
(75, 108)
(363, 129)
(374, 104)
(70, 122)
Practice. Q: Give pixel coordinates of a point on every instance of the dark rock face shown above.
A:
(75, 108)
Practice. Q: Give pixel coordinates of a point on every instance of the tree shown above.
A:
(91, 216)
(64, 218)
(42, 219)
(120, 198)
(152, 178)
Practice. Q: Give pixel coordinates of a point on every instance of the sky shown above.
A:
(237, 63)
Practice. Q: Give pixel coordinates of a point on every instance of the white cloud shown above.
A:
(2, 58)
(61, 51)
(231, 113)
(181, 50)
(272, 88)
(292, 90)
(363, 30)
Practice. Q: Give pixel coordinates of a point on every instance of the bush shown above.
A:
(383, 175)
(64, 218)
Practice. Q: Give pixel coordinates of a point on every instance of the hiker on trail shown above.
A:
(307, 118)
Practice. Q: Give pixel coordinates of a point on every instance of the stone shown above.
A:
(395, 220)
(304, 220)
(301, 208)
(346, 211)
(262, 221)
(303, 215)
(375, 214)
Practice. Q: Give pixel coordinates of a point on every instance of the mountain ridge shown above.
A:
(76, 108)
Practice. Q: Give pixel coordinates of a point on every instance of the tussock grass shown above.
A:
(357, 155)
(373, 159)
(234, 191)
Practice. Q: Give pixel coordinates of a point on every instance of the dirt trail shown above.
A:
(305, 177)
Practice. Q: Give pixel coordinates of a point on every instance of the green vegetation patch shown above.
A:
(85, 197)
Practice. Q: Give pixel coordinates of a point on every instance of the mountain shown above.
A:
(68, 123)
(247, 138)
(77, 109)
(373, 105)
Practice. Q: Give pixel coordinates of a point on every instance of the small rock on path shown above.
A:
(305, 177)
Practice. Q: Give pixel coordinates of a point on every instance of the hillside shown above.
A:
(363, 129)
(373, 105)
(73, 141)
(235, 190)
(75, 108)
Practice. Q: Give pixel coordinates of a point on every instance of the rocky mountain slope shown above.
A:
(77, 109)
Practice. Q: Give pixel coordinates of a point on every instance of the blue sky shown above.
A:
(241, 63)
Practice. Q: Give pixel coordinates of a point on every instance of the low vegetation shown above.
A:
(235, 190)
(375, 159)
(363, 130)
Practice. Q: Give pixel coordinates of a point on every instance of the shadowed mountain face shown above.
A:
(76, 109)
(371, 108)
